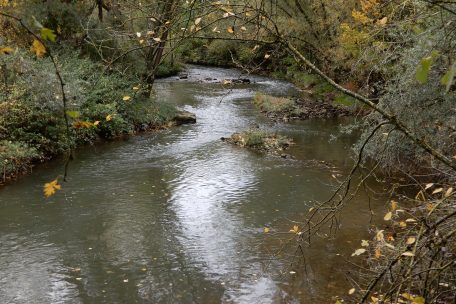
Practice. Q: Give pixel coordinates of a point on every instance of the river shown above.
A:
(178, 216)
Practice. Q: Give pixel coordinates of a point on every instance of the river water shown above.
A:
(178, 216)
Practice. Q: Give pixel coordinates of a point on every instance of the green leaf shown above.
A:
(48, 34)
(423, 69)
(73, 114)
(448, 78)
(422, 72)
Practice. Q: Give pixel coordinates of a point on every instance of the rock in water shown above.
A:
(184, 117)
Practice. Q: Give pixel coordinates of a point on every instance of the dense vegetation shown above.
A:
(394, 60)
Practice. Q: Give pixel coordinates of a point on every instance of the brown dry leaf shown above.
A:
(230, 29)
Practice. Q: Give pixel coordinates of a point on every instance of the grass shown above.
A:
(260, 140)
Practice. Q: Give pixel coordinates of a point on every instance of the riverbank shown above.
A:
(100, 106)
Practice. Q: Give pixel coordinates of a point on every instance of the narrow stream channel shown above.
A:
(178, 216)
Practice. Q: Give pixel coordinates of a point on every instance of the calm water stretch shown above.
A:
(178, 216)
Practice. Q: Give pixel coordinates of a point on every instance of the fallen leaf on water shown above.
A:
(358, 252)
(295, 229)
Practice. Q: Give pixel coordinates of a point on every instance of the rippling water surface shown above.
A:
(178, 216)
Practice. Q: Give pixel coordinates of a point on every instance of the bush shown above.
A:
(15, 158)
(270, 104)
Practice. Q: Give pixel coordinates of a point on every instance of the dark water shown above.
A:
(178, 216)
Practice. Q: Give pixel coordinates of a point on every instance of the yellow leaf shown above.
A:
(359, 251)
(383, 21)
(364, 243)
(197, 21)
(38, 48)
(267, 56)
(393, 205)
(351, 291)
(388, 216)
(428, 186)
(411, 240)
(109, 117)
(50, 188)
(449, 192)
(438, 190)
(230, 29)
(408, 254)
(126, 98)
(157, 39)
(266, 229)
(136, 88)
(295, 229)
(96, 123)
(6, 50)
(402, 224)
(378, 253)
(380, 237)
(243, 28)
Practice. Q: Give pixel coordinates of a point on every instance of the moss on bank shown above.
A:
(32, 124)
(260, 140)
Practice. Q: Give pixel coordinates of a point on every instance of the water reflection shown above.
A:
(178, 216)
